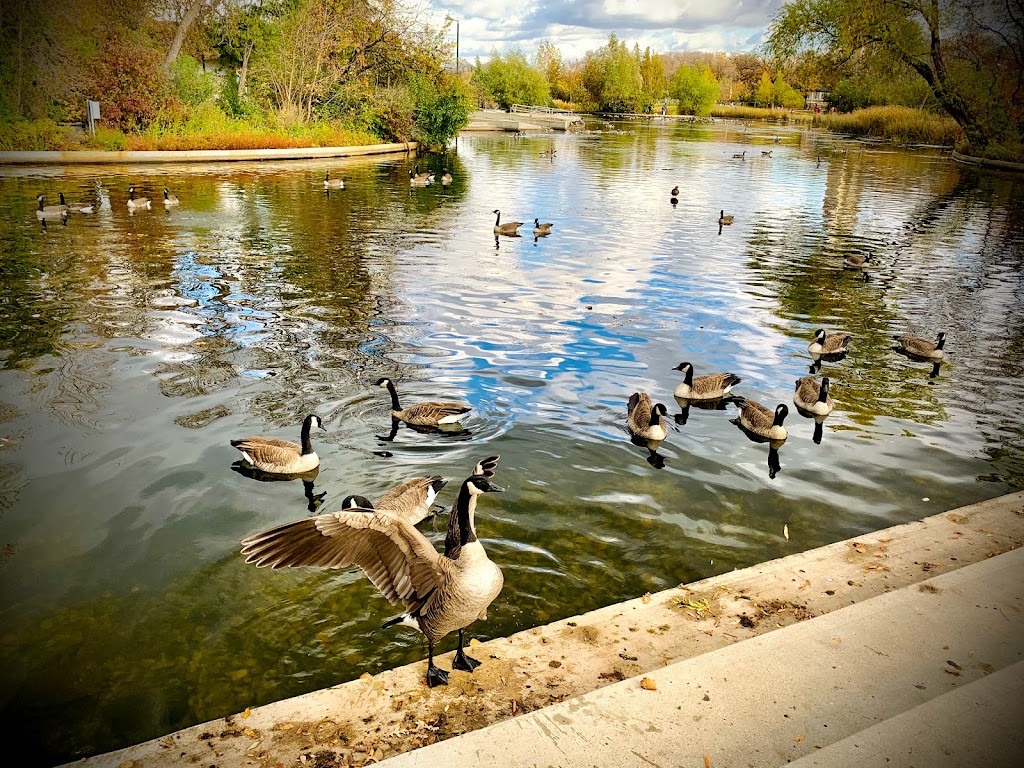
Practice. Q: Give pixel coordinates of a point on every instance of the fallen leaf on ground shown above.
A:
(785, 531)
(799, 738)
(474, 641)
(858, 547)
(648, 684)
(646, 598)
(366, 676)
(707, 761)
(246, 713)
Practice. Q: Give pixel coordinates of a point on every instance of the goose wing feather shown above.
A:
(836, 342)
(410, 500)
(432, 412)
(638, 417)
(916, 345)
(714, 383)
(269, 450)
(396, 557)
(807, 392)
(754, 416)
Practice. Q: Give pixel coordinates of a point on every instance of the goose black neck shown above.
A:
(460, 526)
(655, 416)
(394, 396)
(497, 220)
(780, 416)
(942, 340)
(40, 203)
(688, 379)
(307, 444)
(823, 392)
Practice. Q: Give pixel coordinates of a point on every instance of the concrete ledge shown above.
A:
(200, 155)
(393, 712)
(1003, 165)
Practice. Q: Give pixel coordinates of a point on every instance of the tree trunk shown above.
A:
(244, 71)
(179, 36)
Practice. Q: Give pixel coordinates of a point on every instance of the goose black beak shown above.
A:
(495, 488)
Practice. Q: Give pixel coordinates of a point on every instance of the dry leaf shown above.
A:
(378, 754)
(785, 531)
(646, 598)
(799, 738)
(473, 641)
(250, 733)
(707, 760)
(246, 713)
(515, 706)
(857, 547)
(648, 684)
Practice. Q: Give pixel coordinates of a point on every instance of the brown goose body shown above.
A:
(914, 345)
(723, 219)
(440, 592)
(281, 457)
(75, 207)
(643, 419)
(541, 229)
(137, 202)
(426, 414)
(762, 421)
(856, 261)
(50, 211)
(410, 500)
(508, 228)
(829, 343)
(812, 396)
(710, 386)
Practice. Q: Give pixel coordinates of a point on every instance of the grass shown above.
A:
(901, 125)
(761, 113)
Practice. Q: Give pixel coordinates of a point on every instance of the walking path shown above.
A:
(903, 647)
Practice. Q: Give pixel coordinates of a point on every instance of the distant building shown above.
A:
(816, 99)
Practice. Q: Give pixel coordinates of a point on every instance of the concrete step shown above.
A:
(867, 677)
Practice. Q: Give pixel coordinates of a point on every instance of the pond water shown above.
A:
(134, 347)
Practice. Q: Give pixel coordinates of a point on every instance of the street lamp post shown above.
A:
(456, 46)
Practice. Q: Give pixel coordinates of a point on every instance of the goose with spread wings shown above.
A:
(441, 592)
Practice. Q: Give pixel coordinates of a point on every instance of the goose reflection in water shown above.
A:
(313, 500)
(684, 404)
(448, 430)
(818, 359)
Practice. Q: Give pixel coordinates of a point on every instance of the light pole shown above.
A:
(456, 46)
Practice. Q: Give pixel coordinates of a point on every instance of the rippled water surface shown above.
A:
(134, 347)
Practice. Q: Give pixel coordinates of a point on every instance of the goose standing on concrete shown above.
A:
(426, 414)
(75, 207)
(508, 228)
(135, 203)
(282, 457)
(170, 200)
(915, 346)
(330, 183)
(710, 386)
(441, 592)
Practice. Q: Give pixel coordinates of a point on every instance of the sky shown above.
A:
(577, 26)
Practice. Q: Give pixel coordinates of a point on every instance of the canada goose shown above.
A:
(741, 155)
(829, 343)
(761, 421)
(675, 191)
(74, 207)
(723, 219)
(547, 153)
(424, 414)
(446, 178)
(170, 200)
(428, 175)
(643, 419)
(417, 181)
(856, 261)
(410, 500)
(710, 386)
(50, 211)
(330, 183)
(918, 347)
(441, 592)
(508, 228)
(137, 202)
(812, 397)
(766, 153)
(282, 457)
(541, 229)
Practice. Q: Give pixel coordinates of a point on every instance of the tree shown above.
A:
(549, 63)
(652, 75)
(622, 89)
(240, 28)
(696, 89)
(189, 15)
(969, 52)
(510, 79)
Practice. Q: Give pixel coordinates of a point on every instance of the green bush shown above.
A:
(388, 116)
(192, 85)
(441, 109)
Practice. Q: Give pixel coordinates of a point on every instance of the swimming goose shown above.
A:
(428, 175)
(829, 343)
(330, 183)
(710, 386)
(169, 199)
(918, 347)
(541, 229)
(741, 155)
(856, 261)
(643, 419)
(723, 219)
(446, 179)
(137, 202)
(441, 592)
(410, 500)
(508, 228)
(75, 207)
(282, 457)
(417, 181)
(50, 211)
(425, 414)
(766, 153)
(675, 191)
(761, 421)
(812, 397)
